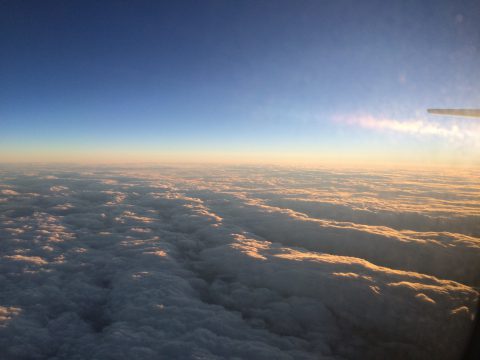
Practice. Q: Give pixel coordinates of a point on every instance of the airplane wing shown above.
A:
(474, 113)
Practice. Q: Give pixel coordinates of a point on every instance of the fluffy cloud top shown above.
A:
(243, 263)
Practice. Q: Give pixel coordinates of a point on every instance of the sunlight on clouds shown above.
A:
(7, 313)
(9, 192)
(36, 260)
(458, 130)
(246, 262)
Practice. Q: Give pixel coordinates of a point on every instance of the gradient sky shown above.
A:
(151, 80)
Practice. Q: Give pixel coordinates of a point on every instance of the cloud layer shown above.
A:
(244, 263)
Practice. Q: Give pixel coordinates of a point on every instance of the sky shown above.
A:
(238, 81)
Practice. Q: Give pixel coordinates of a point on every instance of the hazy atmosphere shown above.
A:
(239, 180)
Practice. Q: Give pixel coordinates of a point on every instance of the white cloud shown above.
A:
(458, 130)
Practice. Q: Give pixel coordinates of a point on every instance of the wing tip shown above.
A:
(475, 113)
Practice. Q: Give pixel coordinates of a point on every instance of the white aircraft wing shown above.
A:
(474, 113)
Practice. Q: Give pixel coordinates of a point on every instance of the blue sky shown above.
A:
(213, 76)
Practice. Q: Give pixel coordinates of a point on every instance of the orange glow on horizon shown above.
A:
(303, 159)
